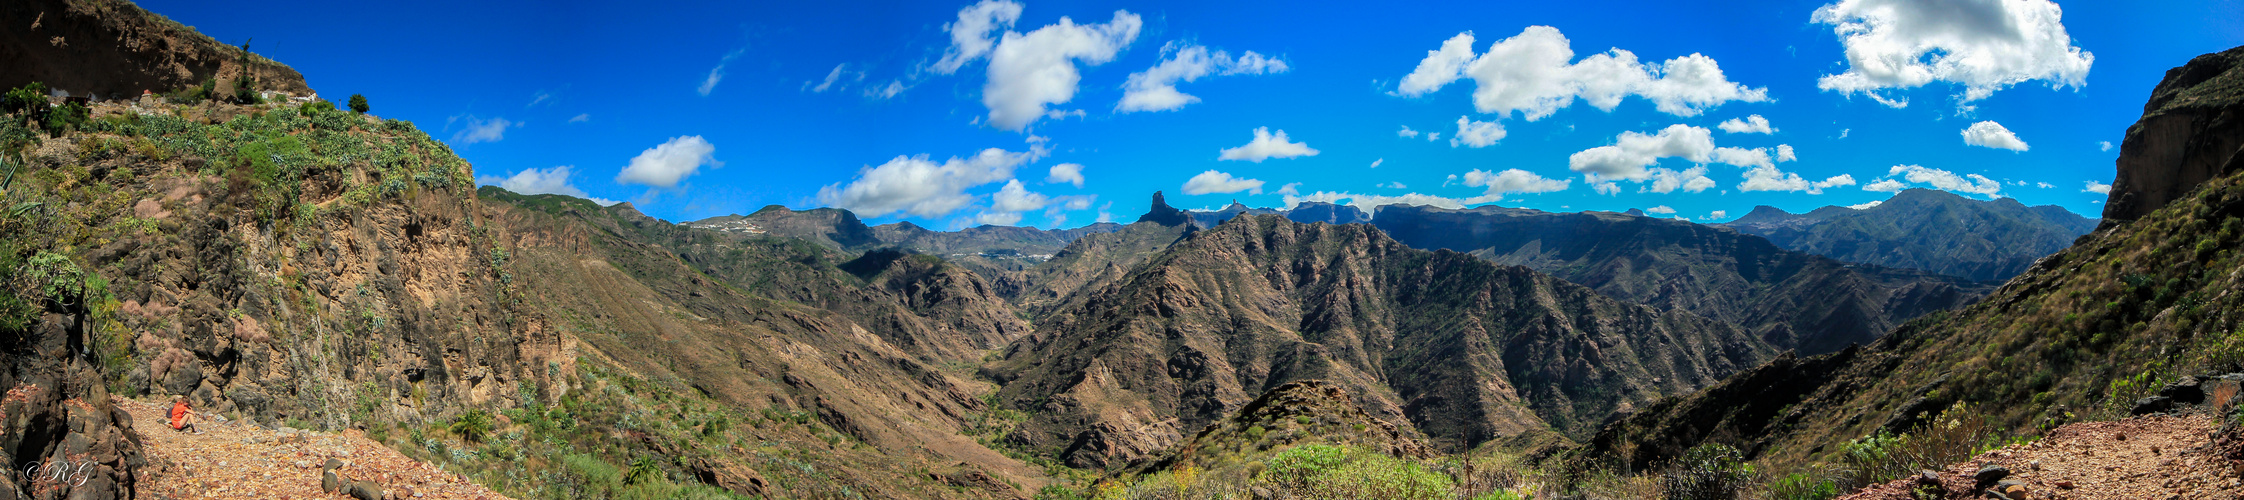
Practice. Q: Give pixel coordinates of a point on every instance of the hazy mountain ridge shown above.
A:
(1926, 229)
(1792, 300)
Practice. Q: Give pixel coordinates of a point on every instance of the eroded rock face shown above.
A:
(57, 411)
(2191, 131)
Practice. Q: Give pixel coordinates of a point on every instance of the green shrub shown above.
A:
(643, 471)
(28, 101)
(474, 426)
(358, 104)
(1708, 472)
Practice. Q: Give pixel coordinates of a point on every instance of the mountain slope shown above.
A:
(1790, 299)
(1926, 229)
(2081, 334)
(1461, 349)
(117, 50)
(2191, 131)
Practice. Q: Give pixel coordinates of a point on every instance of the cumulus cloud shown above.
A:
(1992, 135)
(1016, 198)
(542, 181)
(1905, 176)
(997, 218)
(1155, 89)
(1511, 181)
(717, 73)
(1219, 182)
(1867, 205)
(1406, 132)
(1375, 163)
(1662, 209)
(664, 164)
(1716, 215)
(2098, 188)
(1476, 134)
(1981, 45)
(1534, 73)
(1267, 145)
(1633, 151)
(920, 187)
(1769, 178)
(1029, 71)
(2103, 145)
(480, 130)
(1066, 172)
(1690, 180)
(1751, 124)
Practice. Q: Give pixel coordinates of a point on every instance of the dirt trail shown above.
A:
(2150, 457)
(237, 460)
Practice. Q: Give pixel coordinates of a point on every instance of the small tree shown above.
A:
(358, 104)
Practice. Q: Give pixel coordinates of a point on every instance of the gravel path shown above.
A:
(235, 460)
(2150, 457)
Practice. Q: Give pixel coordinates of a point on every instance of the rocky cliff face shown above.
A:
(1462, 349)
(1790, 299)
(1926, 229)
(2191, 131)
(115, 49)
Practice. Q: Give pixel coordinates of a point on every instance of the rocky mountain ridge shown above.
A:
(1925, 229)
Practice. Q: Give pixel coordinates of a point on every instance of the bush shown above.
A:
(358, 104)
(28, 101)
(643, 471)
(474, 426)
(1326, 471)
(1708, 472)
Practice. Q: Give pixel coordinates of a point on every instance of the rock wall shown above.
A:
(2191, 131)
(115, 49)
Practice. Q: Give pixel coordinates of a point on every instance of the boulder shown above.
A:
(2191, 131)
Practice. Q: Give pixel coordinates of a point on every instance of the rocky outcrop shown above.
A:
(1163, 214)
(58, 427)
(116, 50)
(1926, 229)
(1293, 414)
(1317, 211)
(1461, 349)
(1790, 299)
(2192, 130)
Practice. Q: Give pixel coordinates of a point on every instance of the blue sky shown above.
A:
(958, 113)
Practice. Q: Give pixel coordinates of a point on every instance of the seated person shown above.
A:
(184, 419)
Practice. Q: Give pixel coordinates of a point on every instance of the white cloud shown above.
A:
(1406, 132)
(832, 77)
(1844, 131)
(2044, 185)
(1155, 89)
(1511, 181)
(2103, 145)
(1375, 163)
(1371, 203)
(1662, 209)
(1936, 179)
(1219, 182)
(1394, 185)
(717, 73)
(1016, 198)
(1689, 180)
(1785, 153)
(581, 118)
(1633, 151)
(970, 34)
(1066, 172)
(1433, 136)
(885, 91)
(542, 181)
(1027, 72)
(1290, 189)
(1752, 124)
(1267, 145)
(1756, 157)
(1769, 178)
(2098, 188)
(1867, 205)
(664, 164)
(1531, 73)
(920, 187)
(1983, 45)
(997, 218)
(1477, 134)
(1992, 135)
(479, 130)
(1716, 215)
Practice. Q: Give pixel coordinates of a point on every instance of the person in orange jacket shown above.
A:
(184, 419)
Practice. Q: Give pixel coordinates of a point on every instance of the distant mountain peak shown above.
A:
(1163, 214)
(1634, 211)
